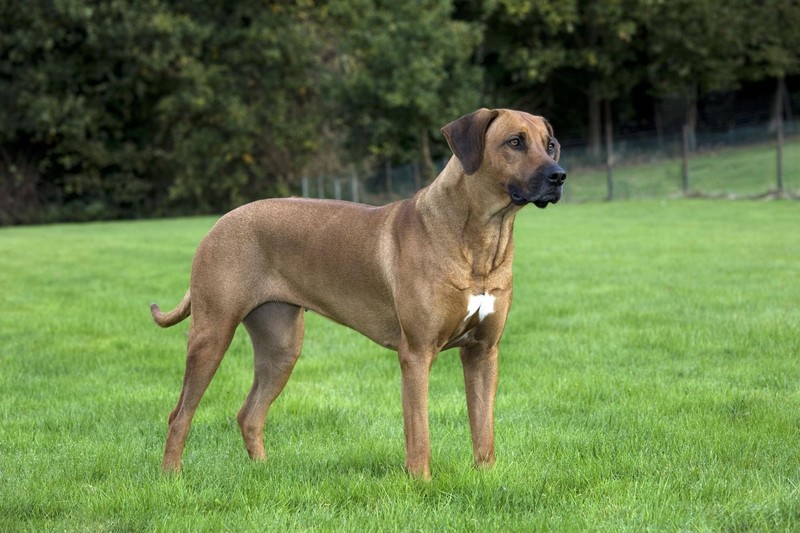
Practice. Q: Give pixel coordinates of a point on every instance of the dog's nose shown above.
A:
(557, 175)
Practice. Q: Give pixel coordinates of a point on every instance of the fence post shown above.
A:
(337, 188)
(353, 186)
(685, 160)
(417, 176)
(609, 152)
(320, 187)
(779, 134)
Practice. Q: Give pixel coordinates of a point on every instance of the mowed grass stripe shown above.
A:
(649, 379)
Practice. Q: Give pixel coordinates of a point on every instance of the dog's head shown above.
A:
(516, 151)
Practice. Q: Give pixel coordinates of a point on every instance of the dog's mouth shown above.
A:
(541, 201)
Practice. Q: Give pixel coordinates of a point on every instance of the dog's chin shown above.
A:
(544, 201)
(541, 201)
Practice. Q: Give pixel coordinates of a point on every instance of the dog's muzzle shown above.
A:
(544, 187)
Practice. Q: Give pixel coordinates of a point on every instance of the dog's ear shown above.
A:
(465, 137)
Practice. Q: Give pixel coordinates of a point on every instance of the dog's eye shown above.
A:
(551, 147)
(514, 142)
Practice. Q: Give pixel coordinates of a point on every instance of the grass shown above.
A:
(748, 171)
(649, 380)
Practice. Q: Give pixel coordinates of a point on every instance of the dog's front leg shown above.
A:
(415, 366)
(480, 378)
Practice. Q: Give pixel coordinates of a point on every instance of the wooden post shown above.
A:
(609, 152)
(353, 186)
(779, 134)
(320, 187)
(685, 159)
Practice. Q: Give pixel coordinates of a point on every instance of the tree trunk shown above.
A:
(428, 170)
(595, 136)
(685, 160)
(591, 39)
(658, 117)
(389, 185)
(691, 116)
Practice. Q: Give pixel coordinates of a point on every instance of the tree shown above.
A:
(523, 48)
(243, 117)
(404, 68)
(76, 119)
(773, 42)
(693, 47)
(124, 108)
(590, 43)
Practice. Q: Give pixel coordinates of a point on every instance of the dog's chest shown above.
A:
(481, 305)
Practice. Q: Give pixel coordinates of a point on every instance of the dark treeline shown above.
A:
(140, 108)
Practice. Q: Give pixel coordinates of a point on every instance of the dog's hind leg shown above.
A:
(207, 346)
(276, 331)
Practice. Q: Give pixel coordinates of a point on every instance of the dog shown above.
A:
(417, 276)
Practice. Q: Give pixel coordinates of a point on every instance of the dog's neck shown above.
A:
(454, 208)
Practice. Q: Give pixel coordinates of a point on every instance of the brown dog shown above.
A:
(417, 276)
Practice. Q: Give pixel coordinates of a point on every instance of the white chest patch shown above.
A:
(483, 304)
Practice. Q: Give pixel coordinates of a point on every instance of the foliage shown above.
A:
(135, 108)
(405, 68)
(771, 39)
(76, 119)
(694, 46)
(589, 42)
(231, 121)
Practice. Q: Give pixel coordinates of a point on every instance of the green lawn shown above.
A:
(649, 380)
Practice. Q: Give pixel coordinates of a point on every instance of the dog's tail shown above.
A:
(166, 320)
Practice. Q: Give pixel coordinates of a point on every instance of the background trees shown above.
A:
(135, 108)
(589, 44)
(404, 68)
(130, 108)
(693, 48)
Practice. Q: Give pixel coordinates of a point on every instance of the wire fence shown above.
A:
(745, 162)
(740, 164)
(744, 153)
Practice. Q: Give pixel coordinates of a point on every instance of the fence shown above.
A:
(736, 154)
(741, 162)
